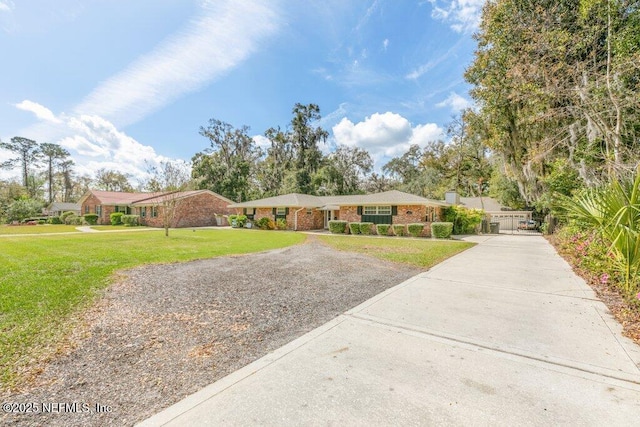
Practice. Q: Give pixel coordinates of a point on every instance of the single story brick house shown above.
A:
(58, 208)
(306, 212)
(197, 208)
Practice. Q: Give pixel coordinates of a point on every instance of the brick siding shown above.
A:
(311, 221)
(199, 210)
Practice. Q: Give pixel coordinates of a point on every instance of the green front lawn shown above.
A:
(121, 227)
(422, 253)
(45, 281)
(37, 229)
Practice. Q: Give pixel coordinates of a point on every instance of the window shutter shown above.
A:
(274, 211)
(244, 211)
(359, 210)
(286, 211)
(394, 210)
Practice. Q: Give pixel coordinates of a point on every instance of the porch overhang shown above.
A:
(329, 208)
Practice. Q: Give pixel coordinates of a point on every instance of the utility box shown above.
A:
(494, 227)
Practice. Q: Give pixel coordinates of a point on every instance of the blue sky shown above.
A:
(124, 83)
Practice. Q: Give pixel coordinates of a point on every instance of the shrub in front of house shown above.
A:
(338, 227)
(465, 221)
(383, 229)
(441, 230)
(116, 218)
(237, 221)
(415, 229)
(281, 224)
(398, 229)
(366, 228)
(76, 220)
(92, 219)
(55, 220)
(265, 223)
(65, 215)
(71, 219)
(130, 220)
(354, 227)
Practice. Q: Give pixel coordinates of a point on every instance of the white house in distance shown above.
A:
(496, 212)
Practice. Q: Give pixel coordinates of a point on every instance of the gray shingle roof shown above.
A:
(488, 204)
(393, 197)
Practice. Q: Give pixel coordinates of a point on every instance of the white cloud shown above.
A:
(385, 135)
(455, 102)
(385, 44)
(83, 147)
(463, 16)
(41, 112)
(225, 34)
(94, 142)
(6, 6)
(262, 141)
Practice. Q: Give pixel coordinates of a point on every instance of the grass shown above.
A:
(421, 253)
(37, 229)
(120, 227)
(46, 281)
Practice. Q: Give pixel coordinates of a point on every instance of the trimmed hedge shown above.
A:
(116, 218)
(366, 228)
(281, 224)
(398, 229)
(338, 227)
(441, 230)
(415, 229)
(354, 227)
(92, 219)
(130, 220)
(383, 229)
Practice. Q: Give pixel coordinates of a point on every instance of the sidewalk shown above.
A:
(502, 334)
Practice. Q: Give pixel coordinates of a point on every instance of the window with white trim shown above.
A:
(376, 210)
(281, 211)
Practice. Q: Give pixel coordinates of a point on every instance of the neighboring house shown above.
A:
(57, 208)
(496, 212)
(305, 212)
(196, 208)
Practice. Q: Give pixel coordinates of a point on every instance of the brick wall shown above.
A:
(312, 221)
(407, 214)
(196, 211)
(92, 202)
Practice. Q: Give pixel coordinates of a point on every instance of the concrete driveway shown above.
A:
(502, 334)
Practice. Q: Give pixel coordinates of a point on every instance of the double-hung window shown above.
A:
(377, 210)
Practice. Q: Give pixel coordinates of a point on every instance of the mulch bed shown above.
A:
(625, 312)
(166, 331)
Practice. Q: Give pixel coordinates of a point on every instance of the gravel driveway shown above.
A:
(165, 331)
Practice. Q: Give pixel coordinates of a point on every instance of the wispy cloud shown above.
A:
(425, 68)
(455, 102)
(6, 6)
(463, 16)
(224, 35)
(41, 112)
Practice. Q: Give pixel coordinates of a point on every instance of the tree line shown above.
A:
(556, 85)
(236, 167)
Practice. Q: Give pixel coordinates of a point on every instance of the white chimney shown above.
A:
(452, 198)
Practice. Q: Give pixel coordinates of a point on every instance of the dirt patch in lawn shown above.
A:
(165, 331)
